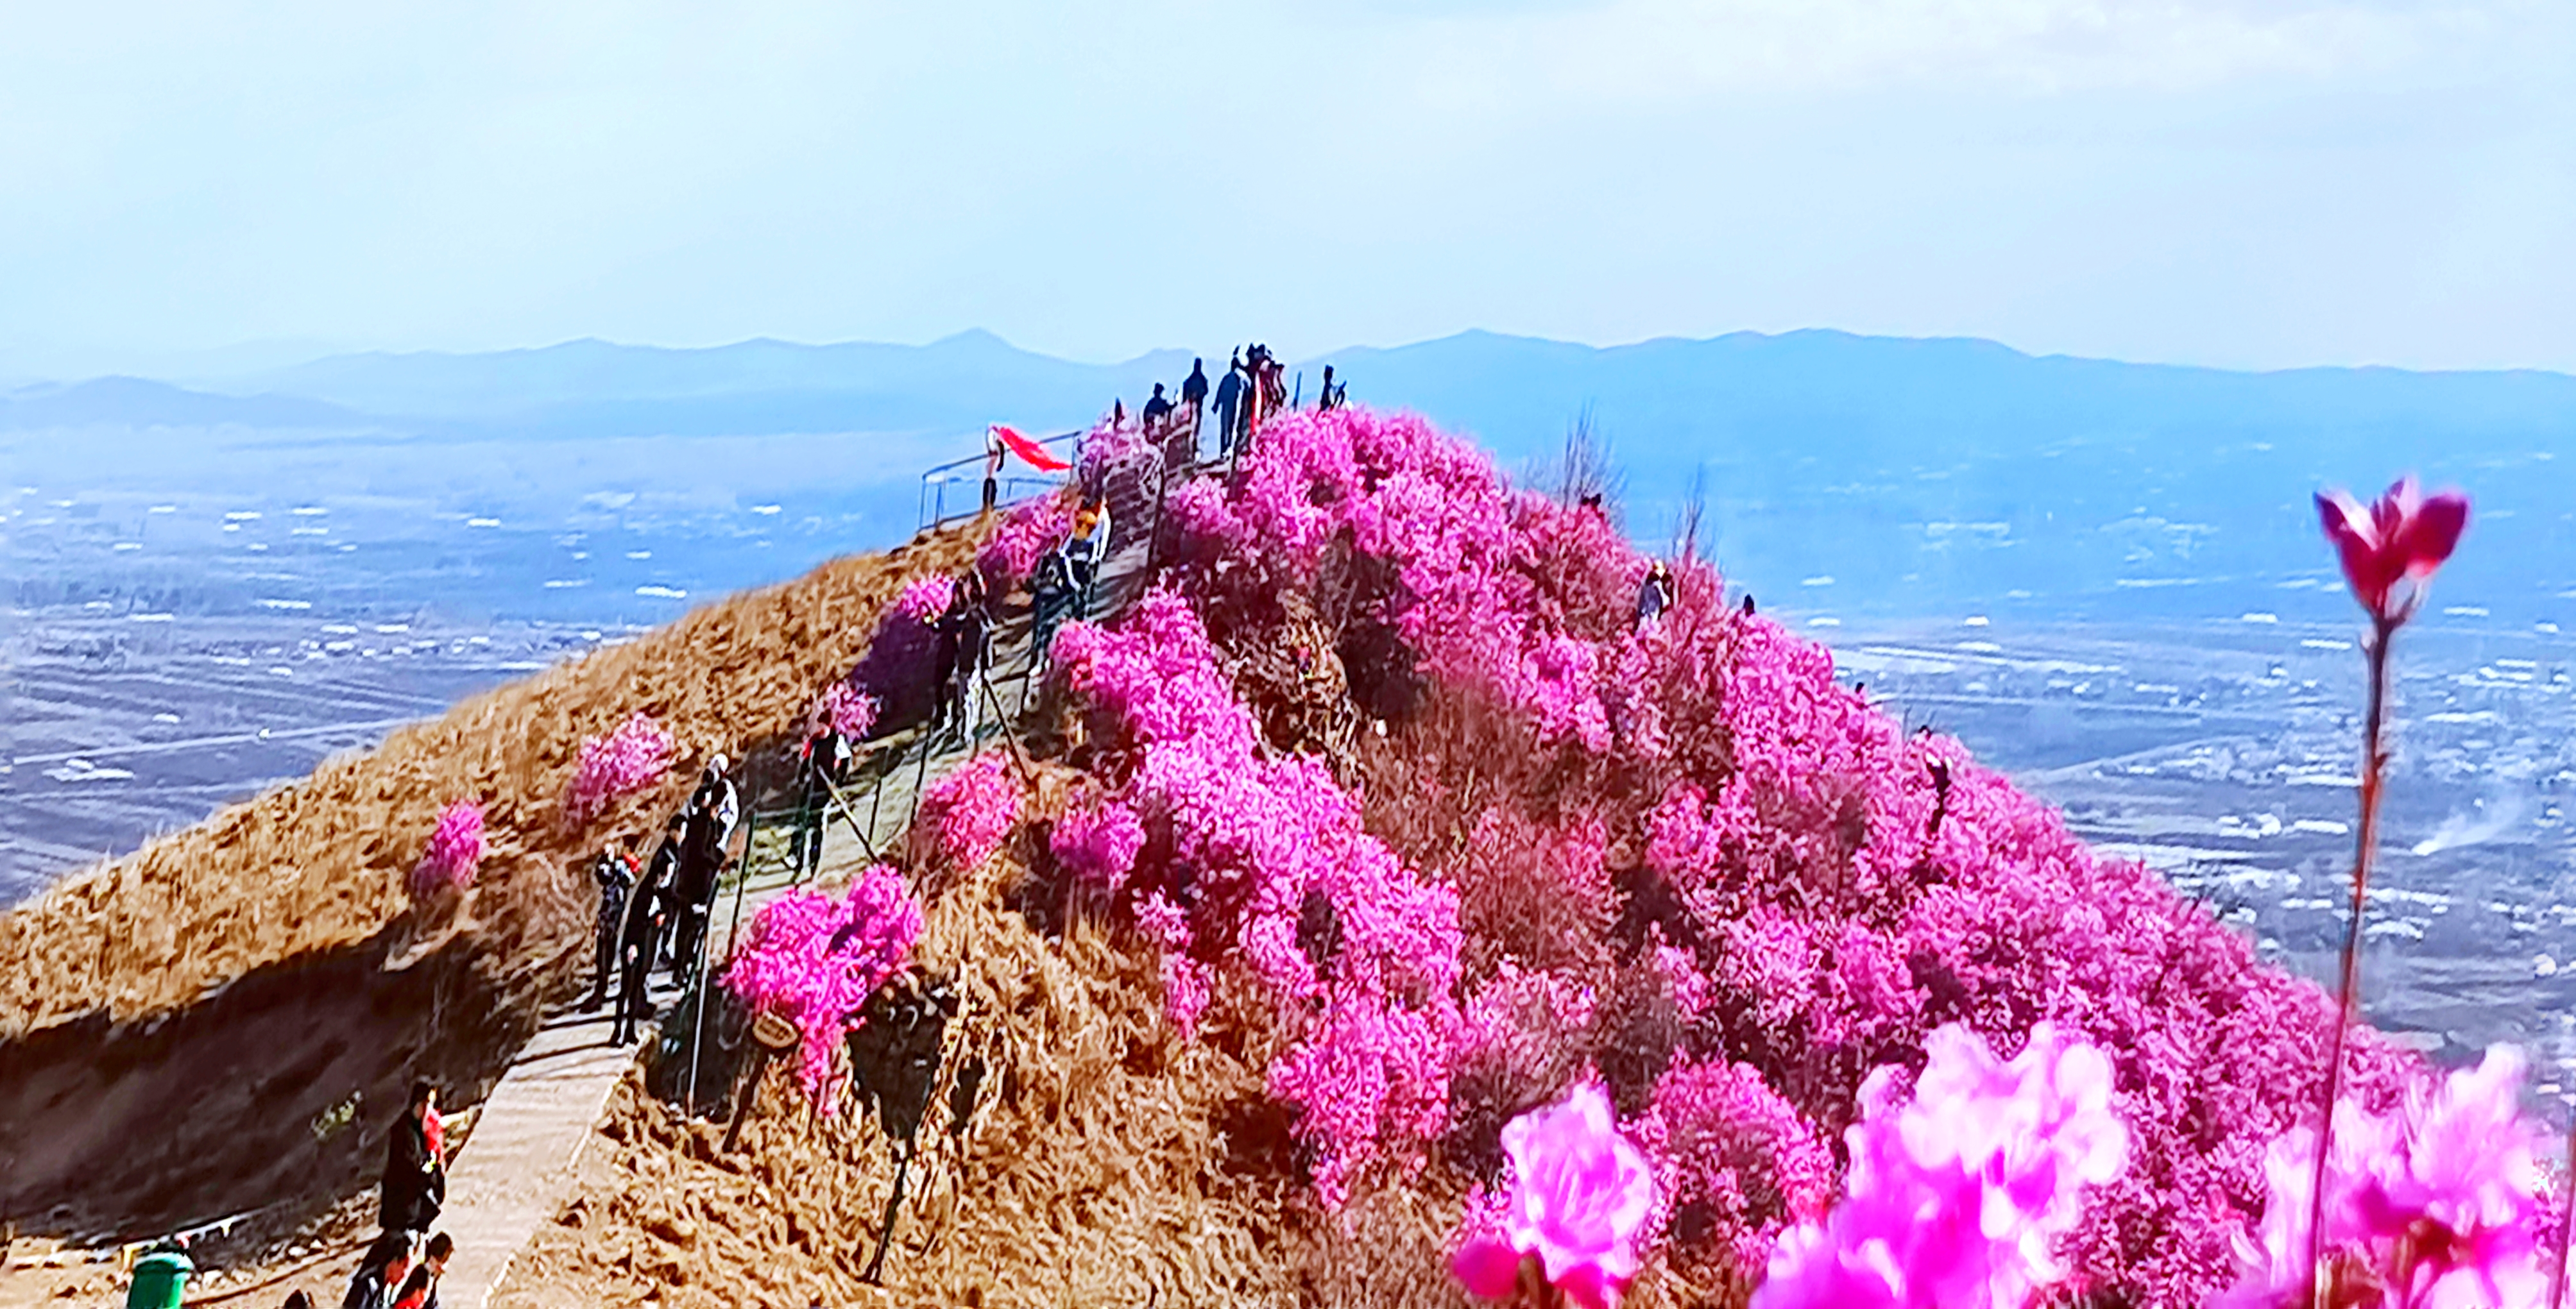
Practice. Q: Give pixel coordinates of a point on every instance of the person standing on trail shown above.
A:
(615, 872)
(380, 1271)
(641, 939)
(992, 468)
(713, 811)
(1051, 596)
(971, 628)
(1157, 409)
(420, 1286)
(822, 767)
(1194, 394)
(1085, 551)
(415, 1181)
(1229, 401)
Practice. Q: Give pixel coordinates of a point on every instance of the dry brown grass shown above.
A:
(1108, 1163)
(319, 865)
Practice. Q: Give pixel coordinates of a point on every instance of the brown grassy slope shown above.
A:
(1107, 1163)
(317, 865)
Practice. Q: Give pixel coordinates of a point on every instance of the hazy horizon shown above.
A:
(2230, 183)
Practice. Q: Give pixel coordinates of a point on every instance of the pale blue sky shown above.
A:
(2236, 182)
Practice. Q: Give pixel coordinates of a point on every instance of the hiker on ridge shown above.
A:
(713, 811)
(1229, 401)
(992, 468)
(1086, 550)
(822, 766)
(964, 627)
(1194, 391)
(415, 1180)
(615, 872)
(1324, 394)
(641, 938)
(1157, 409)
(1051, 597)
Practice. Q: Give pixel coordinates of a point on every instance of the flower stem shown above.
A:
(2365, 842)
(2566, 1223)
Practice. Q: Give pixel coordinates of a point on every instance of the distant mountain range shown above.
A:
(1843, 471)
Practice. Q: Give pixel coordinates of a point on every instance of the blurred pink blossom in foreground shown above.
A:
(1580, 1195)
(2436, 1203)
(1954, 1199)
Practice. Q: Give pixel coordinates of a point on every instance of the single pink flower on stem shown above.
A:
(2389, 552)
(1580, 1195)
(2391, 547)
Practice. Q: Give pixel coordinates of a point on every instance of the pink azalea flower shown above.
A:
(848, 710)
(1954, 1200)
(813, 959)
(2439, 1200)
(972, 810)
(455, 850)
(2396, 542)
(1580, 1195)
(629, 759)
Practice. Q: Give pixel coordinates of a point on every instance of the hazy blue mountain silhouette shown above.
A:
(133, 402)
(1844, 473)
(595, 388)
(1927, 473)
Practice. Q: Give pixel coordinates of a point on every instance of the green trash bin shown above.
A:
(160, 1280)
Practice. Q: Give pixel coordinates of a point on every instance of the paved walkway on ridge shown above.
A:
(522, 1160)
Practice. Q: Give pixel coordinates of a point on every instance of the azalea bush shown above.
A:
(846, 710)
(625, 761)
(1956, 1199)
(1573, 1203)
(1267, 876)
(971, 810)
(1026, 533)
(2436, 1202)
(896, 673)
(1678, 860)
(813, 958)
(455, 851)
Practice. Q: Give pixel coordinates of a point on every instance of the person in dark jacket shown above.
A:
(646, 910)
(822, 766)
(1229, 402)
(712, 813)
(615, 872)
(415, 1181)
(973, 639)
(420, 1285)
(1157, 409)
(380, 1271)
(1194, 391)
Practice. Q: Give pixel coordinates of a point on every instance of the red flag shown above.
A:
(1029, 450)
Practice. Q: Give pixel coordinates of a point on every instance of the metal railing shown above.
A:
(1010, 489)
